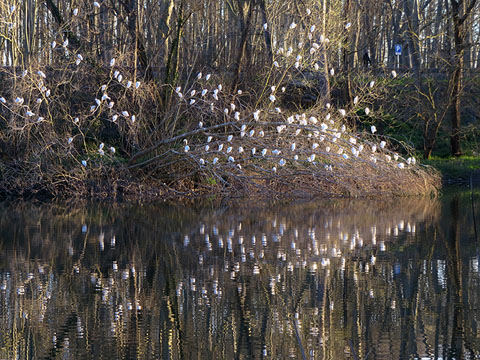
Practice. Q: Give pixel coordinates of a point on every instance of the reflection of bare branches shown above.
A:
(329, 279)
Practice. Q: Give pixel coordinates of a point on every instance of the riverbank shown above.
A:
(457, 170)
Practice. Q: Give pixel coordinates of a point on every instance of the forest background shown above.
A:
(60, 54)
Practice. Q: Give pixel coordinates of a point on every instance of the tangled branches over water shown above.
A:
(268, 153)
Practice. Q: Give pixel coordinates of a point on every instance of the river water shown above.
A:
(331, 279)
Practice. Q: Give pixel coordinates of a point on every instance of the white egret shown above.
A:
(342, 112)
(202, 162)
(84, 163)
(229, 149)
(237, 116)
(367, 111)
(401, 165)
(240, 149)
(251, 132)
(254, 151)
(382, 144)
(220, 147)
(75, 12)
(293, 25)
(293, 146)
(272, 98)
(204, 92)
(112, 62)
(207, 147)
(215, 160)
(29, 113)
(231, 159)
(114, 118)
(209, 139)
(264, 152)
(192, 101)
(229, 138)
(312, 28)
(373, 129)
(186, 148)
(2, 100)
(112, 149)
(199, 76)
(70, 139)
(137, 84)
(374, 148)
(394, 74)
(133, 118)
(125, 113)
(96, 4)
(282, 162)
(372, 83)
(129, 84)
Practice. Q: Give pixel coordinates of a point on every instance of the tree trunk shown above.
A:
(245, 24)
(455, 108)
(131, 10)
(266, 32)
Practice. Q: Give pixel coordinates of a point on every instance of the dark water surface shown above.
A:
(336, 279)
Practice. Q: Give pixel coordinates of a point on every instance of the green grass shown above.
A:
(451, 167)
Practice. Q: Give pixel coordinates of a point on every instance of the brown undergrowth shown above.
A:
(88, 132)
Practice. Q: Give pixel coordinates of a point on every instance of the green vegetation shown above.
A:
(456, 168)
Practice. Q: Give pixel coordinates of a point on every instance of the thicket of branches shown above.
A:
(87, 86)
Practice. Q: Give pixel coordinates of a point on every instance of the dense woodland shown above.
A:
(429, 103)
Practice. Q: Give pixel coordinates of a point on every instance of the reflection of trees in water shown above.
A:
(339, 279)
